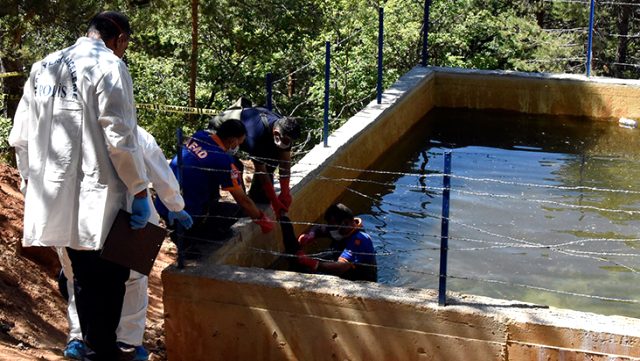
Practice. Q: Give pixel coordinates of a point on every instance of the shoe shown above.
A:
(141, 354)
(75, 350)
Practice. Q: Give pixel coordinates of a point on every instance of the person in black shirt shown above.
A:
(268, 143)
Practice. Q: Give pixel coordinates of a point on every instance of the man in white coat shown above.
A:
(77, 151)
(130, 331)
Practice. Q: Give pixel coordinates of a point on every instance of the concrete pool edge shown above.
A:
(353, 148)
(241, 313)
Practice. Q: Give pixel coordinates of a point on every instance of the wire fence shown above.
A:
(574, 58)
(612, 252)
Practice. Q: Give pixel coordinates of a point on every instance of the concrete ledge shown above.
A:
(235, 313)
(573, 95)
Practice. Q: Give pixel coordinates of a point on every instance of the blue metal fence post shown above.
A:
(269, 82)
(590, 40)
(179, 229)
(327, 74)
(425, 33)
(444, 231)
(380, 43)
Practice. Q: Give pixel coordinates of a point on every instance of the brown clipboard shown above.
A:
(136, 249)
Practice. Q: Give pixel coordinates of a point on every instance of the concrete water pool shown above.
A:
(543, 209)
(526, 208)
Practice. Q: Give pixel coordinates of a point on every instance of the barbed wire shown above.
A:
(545, 289)
(625, 64)
(587, 2)
(485, 194)
(337, 45)
(519, 244)
(539, 245)
(369, 95)
(458, 190)
(572, 30)
(576, 253)
(457, 152)
(629, 36)
(319, 256)
(521, 241)
(554, 60)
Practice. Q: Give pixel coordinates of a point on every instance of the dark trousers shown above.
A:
(209, 230)
(222, 215)
(99, 287)
(256, 193)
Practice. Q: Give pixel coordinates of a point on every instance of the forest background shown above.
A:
(208, 53)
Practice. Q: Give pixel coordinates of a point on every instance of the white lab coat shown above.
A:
(134, 308)
(75, 139)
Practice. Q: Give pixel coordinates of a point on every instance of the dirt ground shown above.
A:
(33, 323)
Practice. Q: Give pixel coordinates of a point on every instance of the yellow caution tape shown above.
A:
(157, 107)
(9, 97)
(7, 75)
(177, 109)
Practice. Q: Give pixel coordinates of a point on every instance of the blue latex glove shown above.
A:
(140, 213)
(182, 217)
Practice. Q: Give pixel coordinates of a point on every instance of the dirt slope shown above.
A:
(33, 321)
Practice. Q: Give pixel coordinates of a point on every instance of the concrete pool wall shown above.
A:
(219, 309)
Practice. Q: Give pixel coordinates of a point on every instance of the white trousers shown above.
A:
(134, 307)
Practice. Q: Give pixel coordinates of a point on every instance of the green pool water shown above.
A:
(544, 210)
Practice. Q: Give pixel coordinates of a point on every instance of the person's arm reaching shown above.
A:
(250, 209)
(335, 268)
(267, 188)
(310, 236)
(314, 265)
(285, 176)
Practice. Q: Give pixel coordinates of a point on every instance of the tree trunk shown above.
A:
(537, 7)
(12, 86)
(291, 84)
(624, 13)
(194, 55)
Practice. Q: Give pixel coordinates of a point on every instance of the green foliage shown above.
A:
(5, 128)
(241, 41)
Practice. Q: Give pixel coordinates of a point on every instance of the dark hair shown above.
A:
(232, 128)
(110, 24)
(288, 127)
(338, 213)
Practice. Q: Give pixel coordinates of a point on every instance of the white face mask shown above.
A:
(278, 141)
(234, 150)
(335, 234)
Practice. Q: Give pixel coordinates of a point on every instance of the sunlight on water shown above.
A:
(536, 203)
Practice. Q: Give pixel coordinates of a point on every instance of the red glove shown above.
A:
(306, 261)
(265, 223)
(275, 202)
(285, 195)
(306, 238)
